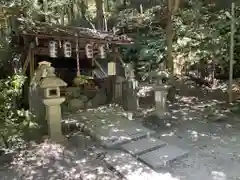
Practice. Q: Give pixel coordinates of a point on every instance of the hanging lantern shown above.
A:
(89, 50)
(53, 49)
(67, 48)
(102, 51)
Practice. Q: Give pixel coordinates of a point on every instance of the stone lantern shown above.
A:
(52, 100)
(160, 92)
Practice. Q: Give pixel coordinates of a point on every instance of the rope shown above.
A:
(77, 55)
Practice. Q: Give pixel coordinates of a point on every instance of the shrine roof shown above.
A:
(56, 31)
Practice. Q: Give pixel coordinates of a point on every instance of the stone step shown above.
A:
(113, 133)
(136, 129)
(142, 146)
(163, 156)
(115, 137)
(95, 170)
(130, 168)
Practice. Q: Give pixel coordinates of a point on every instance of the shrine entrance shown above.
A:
(66, 69)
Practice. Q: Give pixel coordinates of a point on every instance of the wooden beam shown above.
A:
(26, 58)
(74, 38)
(25, 65)
(42, 51)
(100, 67)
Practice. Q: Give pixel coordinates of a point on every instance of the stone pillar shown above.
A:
(52, 100)
(111, 81)
(161, 92)
(130, 99)
(130, 87)
(54, 118)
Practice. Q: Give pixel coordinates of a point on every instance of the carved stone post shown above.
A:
(161, 91)
(130, 87)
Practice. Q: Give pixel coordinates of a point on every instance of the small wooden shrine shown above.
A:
(66, 42)
(73, 51)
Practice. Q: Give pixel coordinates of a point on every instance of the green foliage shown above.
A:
(14, 122)
(204, 35)
(201, 33)
(150, 45)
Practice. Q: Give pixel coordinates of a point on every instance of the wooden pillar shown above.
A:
(92, 64)
(32, 63)
(77, 56)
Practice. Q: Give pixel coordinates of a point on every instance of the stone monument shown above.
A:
(130, 87)
(160, 91)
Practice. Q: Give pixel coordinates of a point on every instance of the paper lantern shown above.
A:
(89, 50)
(53, 49)
(67, 48)
(111, 68)
(102, 51)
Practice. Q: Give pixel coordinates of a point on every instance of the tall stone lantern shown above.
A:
(160, 92)
(52, 100)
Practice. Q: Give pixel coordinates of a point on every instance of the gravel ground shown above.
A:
(204, 127)
(211, 134)
(49, 161)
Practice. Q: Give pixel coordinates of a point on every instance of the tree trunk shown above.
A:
(83, 8)
(69, 15)
(75, 9)
(169, 32)
(100, 14)
(45, 10)
(62, 13)
(170, 65)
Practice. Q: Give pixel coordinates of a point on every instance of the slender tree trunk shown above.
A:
(169, 32)
(100, 14)
(75, 9)
(83, 8)
(230, 93)
(173, 5)
(45, 9)
(69, 15)
(62, 13)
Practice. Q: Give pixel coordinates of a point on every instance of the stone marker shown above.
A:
(130, 168)
(143, 145)
(163, 156)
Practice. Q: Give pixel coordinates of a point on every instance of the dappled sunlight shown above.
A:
(195, 123)
(145, 90)
(130, 168)
(218, 175)
(168, 134)
(53, 161)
